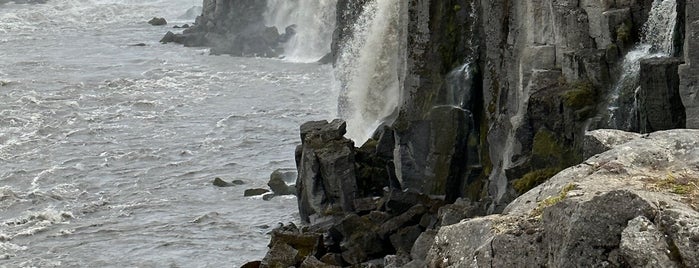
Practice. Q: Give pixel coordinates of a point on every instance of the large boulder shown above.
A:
(326, 182)
(598, 213)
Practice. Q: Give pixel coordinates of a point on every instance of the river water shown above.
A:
(108, 151)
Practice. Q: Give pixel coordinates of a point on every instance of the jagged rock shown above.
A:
(326, 182)
(404, 238)
(454, 213)
(280, 255)
(305, 244)
(254, 192)
(282, 182)
(157, 21)
(643, 245)
(602, 140)
(659, 103)
(396, 261)
(313, 262)
(412, 216)
(580, 216)
(422, 245)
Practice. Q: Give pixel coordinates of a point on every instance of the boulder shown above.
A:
(157, 21)
(282, 182)
(254, 192)
(643, 245)
(326, 181)
(592, 215)
(601, 140)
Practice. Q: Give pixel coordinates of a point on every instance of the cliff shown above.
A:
(461, 107)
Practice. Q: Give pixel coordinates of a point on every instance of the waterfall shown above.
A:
(370, 68)
(313, 22)
(657, 41)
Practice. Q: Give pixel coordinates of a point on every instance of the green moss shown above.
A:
(623, 33)
(550, 201)
(457, 8)
(534, 178)
(546, 145)
(581, 94)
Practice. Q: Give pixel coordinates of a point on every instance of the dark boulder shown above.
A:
(254, 192)
(157, 21)
(282, 182)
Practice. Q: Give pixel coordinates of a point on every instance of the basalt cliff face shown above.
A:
(460, 107)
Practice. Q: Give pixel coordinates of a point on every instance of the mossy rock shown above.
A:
(581, 95)
(623, 33)
(533, 179)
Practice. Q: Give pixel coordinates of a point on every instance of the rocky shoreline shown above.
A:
(487, 161)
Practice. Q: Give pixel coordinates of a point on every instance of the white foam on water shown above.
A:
(314, 23)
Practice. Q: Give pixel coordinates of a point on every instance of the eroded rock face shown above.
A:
(659, 101)
(234, 27)
(689, 72)
(599, 213)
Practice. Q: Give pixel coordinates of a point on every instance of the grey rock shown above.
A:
(157, 21)
(282, 182)
(689, 78)
(602, 140)
(221, 183)
(254, 192)
(422, 245)
(590, 215)
(313, 262)
(280, 255)
(403, 240)
(643, 245)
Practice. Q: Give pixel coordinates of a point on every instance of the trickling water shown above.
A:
(313, 21)
(657, 41)
(459, 83)
(371, 66)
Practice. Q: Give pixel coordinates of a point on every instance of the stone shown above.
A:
(422, 245)
(689, 80)
(221, 183)
(403, 240)
(326, 181)
(602, 140)
(305, 244)
(157, 21)
(593, 214)
(412, 216)
(313, 262)
(659, 102)
(169, 37)
(280, 255)
(643, 245)
(254, 192)
(282, 182)
(454, 213)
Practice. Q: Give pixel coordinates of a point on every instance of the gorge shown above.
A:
(478, 102)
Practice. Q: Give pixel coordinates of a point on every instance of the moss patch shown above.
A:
(539, 210)
(534, 178)
(682, 183)
(623, 33)
(580, 95)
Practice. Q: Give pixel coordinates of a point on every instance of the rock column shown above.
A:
(659, 103)
(689, 72)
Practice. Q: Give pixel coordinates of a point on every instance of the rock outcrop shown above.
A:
(689, 72)
(234, 27)
(635, 205)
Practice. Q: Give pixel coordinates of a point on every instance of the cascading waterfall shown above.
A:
(371, 66)
(657, 41)
(312, 20)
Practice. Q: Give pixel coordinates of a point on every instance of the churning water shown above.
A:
(107, 150)
(657, 41)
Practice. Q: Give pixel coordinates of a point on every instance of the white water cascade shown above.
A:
(314, 22)
(657, 41)
(371, 66)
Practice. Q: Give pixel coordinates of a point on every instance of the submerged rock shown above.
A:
(254, 192)
(157, 21)
(282, 182)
